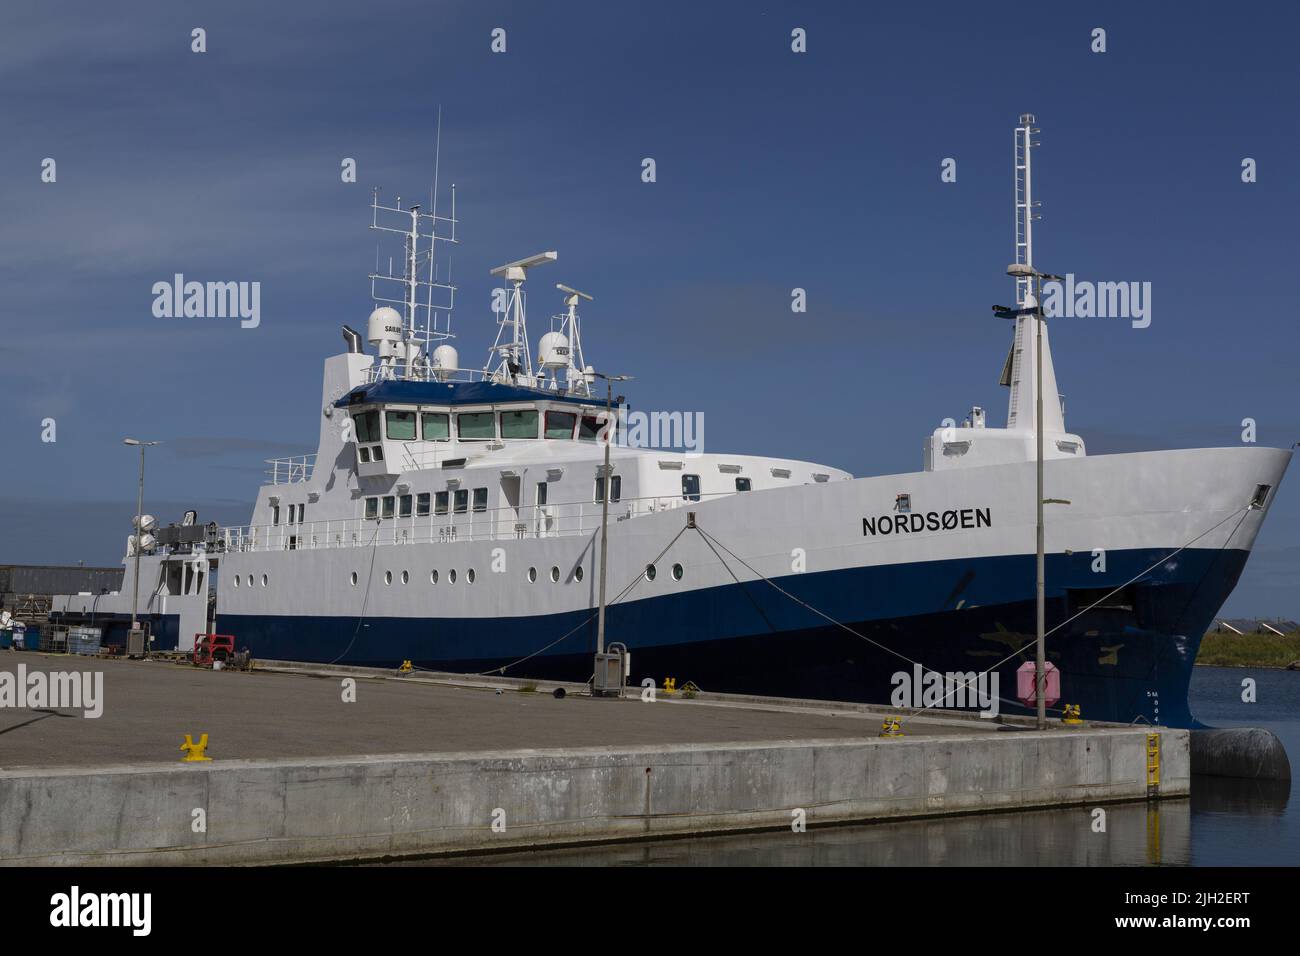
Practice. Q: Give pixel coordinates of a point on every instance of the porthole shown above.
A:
(236, 580)
(354, 579)
(451, 576)
(577, 573)
(532, 575)
(677, 572)
(555, 575)
(250, 580)
(264, 580)
(388, 577)
(406, 577)
(469, 576)
(433, 576)
(649, 572)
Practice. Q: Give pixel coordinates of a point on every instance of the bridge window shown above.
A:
(378, 453)
(744, 484)
(591, 426)
(480, 499)
(367, 426)
(401, 426)
(364, 453)
(372, 507)
(691, 487)
(476, 426)
(390, 503)
(422, 505)
(404, 506)
(275, 514)
(435, 426)
(440, 503)
(615, 488)
(462, 500)
(560, 424)
(519, 424)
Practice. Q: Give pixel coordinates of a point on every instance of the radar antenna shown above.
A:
(561, 348)
(514, 362)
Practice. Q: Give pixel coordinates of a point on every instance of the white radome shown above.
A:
(553, 350)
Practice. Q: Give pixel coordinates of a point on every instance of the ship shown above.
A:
(499, 521)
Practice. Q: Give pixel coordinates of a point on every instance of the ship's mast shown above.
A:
(417, 338)
(1024, 203)
(1020, 371)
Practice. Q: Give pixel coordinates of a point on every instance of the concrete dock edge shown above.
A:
(282, 811)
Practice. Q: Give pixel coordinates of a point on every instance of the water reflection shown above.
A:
(1137, 834)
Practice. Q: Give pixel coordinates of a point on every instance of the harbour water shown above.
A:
(1225, 823)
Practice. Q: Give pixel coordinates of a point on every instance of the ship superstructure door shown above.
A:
(508, 514)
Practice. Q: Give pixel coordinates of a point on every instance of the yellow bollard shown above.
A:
(1072, 715)
(892, 727)
(406, 667)
(670, 685)
(193, 751)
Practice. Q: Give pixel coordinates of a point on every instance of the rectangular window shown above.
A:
(691, 487)
(744, 484)
(541, 493)
(378, 453)
(589, 430)
(615, 489)
(476, 426)
(367, 427)
(302, 510)
(435, 426)
(364, 454)
(519, 424)
(372, 507)
(404, 506)
(401, 426)
(422, 505)
(480, 499)
(275, 514)
(560, 424)
(390, 503)
(462, 500)
(440, 503)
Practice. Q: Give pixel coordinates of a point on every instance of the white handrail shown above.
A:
(293, 469)
(493, 524)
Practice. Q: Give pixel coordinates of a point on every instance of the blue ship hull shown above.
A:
(1128, 660)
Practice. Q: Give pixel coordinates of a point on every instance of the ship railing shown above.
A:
(290, 470)
(493, 524)
(417, 372)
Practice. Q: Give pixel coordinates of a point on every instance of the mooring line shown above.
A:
(365, 598)
(965, 685)
(622, 594)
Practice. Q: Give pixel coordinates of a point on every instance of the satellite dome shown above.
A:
(385, 325)
(553, 350)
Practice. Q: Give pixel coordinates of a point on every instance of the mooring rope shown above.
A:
(627, 590)
(965, 685)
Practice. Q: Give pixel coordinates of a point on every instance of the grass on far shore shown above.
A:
(1225, 649)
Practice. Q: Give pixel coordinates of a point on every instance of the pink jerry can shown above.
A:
(1025, 692)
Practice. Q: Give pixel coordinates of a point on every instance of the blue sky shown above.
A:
(775, 171)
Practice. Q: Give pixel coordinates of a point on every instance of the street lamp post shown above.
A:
(604, 502)
(1023, 271)
(139, 532)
